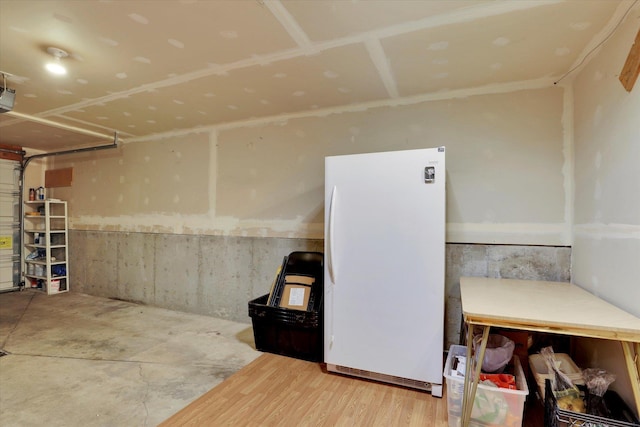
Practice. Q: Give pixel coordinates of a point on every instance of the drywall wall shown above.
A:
(607, 195)
(506, 171)
(276, 171)
(33, 176)
(607, 191)
(167, 177)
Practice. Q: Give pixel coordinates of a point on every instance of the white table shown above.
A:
(555, 307)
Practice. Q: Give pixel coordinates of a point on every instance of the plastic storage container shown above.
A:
(492, 406)
(541, 373)
(292, 333)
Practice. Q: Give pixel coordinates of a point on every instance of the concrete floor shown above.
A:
(80, 360)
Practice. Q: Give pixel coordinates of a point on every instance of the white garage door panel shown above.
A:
(9, 224)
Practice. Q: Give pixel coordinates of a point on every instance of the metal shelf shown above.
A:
(52, 230)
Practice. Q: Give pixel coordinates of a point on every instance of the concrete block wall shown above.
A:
(202, 274)
(551, 263)
(218, 275)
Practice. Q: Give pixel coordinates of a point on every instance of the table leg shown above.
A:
(631, 353)
(471, 382)
(467, 374)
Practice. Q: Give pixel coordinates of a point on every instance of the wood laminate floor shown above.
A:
(280, 391)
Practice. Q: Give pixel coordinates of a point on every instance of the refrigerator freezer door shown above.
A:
(384, 277)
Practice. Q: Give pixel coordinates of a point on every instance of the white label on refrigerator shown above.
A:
(429, 174)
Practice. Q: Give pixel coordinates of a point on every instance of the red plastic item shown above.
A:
(501, 380)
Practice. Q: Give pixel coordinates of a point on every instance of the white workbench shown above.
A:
(555, 307)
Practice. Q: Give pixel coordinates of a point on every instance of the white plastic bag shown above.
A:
(498, 353)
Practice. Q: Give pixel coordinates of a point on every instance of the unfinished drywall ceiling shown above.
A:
(158, 68)
(446, 52)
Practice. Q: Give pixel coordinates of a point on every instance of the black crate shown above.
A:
(621, 415)
(309, 264)
(292, 333)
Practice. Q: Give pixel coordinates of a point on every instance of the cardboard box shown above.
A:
(303, 280)
(295, 296)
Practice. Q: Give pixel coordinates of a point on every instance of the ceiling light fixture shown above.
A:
(55, 66)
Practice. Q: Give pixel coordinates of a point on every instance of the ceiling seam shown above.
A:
(183, 78)
(58, 125)
(289, 23)
(381, 62)
(21, 117)
(542, 83)
(85, 123)
(458, 16)
(461, 16)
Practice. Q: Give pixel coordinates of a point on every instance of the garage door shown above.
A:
(9, 224)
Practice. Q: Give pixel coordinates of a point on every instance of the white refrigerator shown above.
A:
(385, 266)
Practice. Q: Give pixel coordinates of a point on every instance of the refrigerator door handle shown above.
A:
(332, 208)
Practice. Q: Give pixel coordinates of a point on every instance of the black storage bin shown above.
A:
(288, 332)
(292, 333)
(304, 264)
(621, 415)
